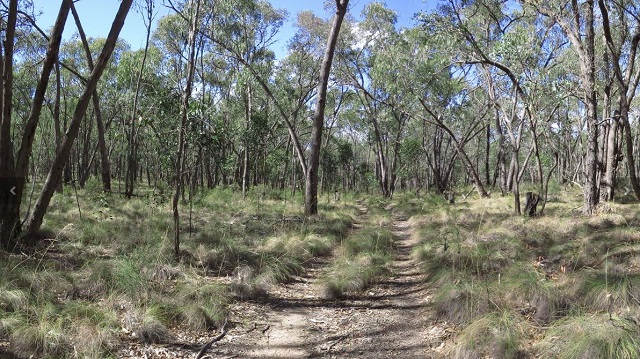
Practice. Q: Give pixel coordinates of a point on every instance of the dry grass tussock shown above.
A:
(516, 286)
(108, 271)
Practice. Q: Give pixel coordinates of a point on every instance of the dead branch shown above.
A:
(208, 345)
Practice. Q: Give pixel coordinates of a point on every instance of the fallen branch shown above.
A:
(473, 188)
(255, 326)
(265, 329)
(336, 341)
(206, 347)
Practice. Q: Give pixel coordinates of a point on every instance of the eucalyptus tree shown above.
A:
(167, 92)
(370, 68)
(621, 30)
(102, 147)
(193, 10)
(531, 51)
(294, 87)
(509, 51)
(16, 167)
(311, 182)
(404, 75)
(233, 44)
(147, 10)
(578, 22)
(246, 29)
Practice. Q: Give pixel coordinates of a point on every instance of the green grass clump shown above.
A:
(12, 300)
(300, 247)
(591, 336)
(74, 330)
(335, 222)
(525, 287)
(490, 256)
(129, 277)
(363, 258)
(494, 335)
(461, 303)
(604, 292)
(369, 240)
(353, 274)
(206, 306)
(154, 326)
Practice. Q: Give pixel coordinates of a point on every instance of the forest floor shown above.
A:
(367, 278)
(391, 319)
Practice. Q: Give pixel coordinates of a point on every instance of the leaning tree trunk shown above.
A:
(311, 182)
(10, 225)
(35, 219)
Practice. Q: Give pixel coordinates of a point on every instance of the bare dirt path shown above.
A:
(390, 320)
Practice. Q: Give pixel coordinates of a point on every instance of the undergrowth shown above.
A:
(106, 269)
(558, 285)
(361, 259)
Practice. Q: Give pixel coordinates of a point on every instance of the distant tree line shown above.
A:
(488, 93)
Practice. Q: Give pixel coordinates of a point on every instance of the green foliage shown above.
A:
(591, 336)
(129, 277)
(495, 335)
(608, 292)
(353, 274)
(369, 240)
(363, 259)
(53, 331)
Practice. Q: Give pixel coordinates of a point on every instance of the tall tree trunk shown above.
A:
(382, 172)
(56, 118)
(102, 146)
(612, 157)
(245, 159)
(10, 197)
(487, 154)
(311, 182)
(132, 154)
(184, 113)
(591, 187)
(627, 85)
(35, 219)
(10, 230)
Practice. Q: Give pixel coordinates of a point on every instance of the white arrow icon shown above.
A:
(13, 190)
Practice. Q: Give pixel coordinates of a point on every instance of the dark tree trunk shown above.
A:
(311, 181)
(184, 108)
(531, 203)
(102, 147)
(591, 187)
(35, 219)
(10, 225)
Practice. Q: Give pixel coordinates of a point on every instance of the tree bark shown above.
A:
(311, 182)
(591, 187)
(9, 207)
(102, 146)
(35, 219)
(184, 114)
(245, 157)
(627, 83)
(132, 153)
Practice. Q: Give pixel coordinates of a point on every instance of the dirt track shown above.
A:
(390, 320)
